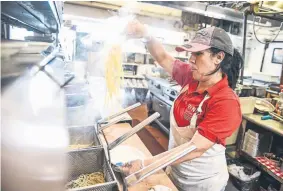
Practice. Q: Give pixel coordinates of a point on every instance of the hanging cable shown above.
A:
(280, 28)
(255, 32)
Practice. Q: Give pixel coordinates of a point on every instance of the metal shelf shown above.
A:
(40, 16)
(135, 87)
(147, 53)
(134, 76)
(262, 167)
(131, 64)
(271, 125)
(181, 57)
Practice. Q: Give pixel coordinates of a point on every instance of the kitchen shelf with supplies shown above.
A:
(257, 137)
(147, 53)
(131, 64)
(261, 166)
(184, 57)
(134, 76)
(271, 125)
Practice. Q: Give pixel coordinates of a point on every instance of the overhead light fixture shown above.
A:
(215, 15)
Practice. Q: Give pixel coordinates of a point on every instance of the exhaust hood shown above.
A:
(205, 10)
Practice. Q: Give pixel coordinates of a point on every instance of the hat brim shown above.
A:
(192, 47)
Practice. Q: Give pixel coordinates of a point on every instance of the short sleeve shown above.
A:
(221, 120)
(182, 73)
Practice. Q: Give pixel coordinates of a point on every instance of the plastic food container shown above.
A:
(247, 104)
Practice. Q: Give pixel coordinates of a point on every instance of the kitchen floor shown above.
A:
(154, 139)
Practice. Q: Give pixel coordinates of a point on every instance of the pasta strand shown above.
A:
(113, 72)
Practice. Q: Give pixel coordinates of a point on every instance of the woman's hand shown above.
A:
(136, 29)
(131, 167)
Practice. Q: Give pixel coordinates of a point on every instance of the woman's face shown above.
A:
(203, 63)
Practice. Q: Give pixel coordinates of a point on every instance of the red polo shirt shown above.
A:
(221, 113)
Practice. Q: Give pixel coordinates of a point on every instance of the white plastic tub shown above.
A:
(247, 104)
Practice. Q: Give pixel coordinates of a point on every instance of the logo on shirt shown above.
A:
(190, 110)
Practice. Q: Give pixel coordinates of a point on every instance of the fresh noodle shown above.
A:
(86, 180)
(113, 72)
(80, 146)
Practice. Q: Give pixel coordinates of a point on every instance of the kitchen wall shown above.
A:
(254, 55)
(269, 67)
(255, 50)
(170, 35)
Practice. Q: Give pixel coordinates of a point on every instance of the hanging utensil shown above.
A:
(116, 120)
(104, 120)
(134, 130)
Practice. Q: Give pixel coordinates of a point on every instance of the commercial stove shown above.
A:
(163, 93)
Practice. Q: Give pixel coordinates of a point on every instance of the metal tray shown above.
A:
(89, 161)
(85, 135)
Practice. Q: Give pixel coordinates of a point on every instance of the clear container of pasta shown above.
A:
(89, 170)
(83, 137)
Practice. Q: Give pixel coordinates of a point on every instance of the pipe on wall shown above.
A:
(246, 13)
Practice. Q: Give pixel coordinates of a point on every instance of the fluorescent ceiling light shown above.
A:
(215, 15)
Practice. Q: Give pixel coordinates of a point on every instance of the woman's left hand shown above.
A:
(131, 167)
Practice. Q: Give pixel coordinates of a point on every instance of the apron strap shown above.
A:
(185, 88)
(194, 118)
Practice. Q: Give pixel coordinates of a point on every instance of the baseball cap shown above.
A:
(209, 37)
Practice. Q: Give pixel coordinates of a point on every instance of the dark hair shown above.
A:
(230, 65)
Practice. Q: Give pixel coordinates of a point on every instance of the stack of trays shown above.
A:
(251, 143)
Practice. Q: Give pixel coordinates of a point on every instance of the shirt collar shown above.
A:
(218, 86)
(212, 90)
(192, 87)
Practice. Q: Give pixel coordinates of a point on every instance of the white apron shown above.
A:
(205, 173)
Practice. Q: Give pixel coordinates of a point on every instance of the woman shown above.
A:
(205, 113)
